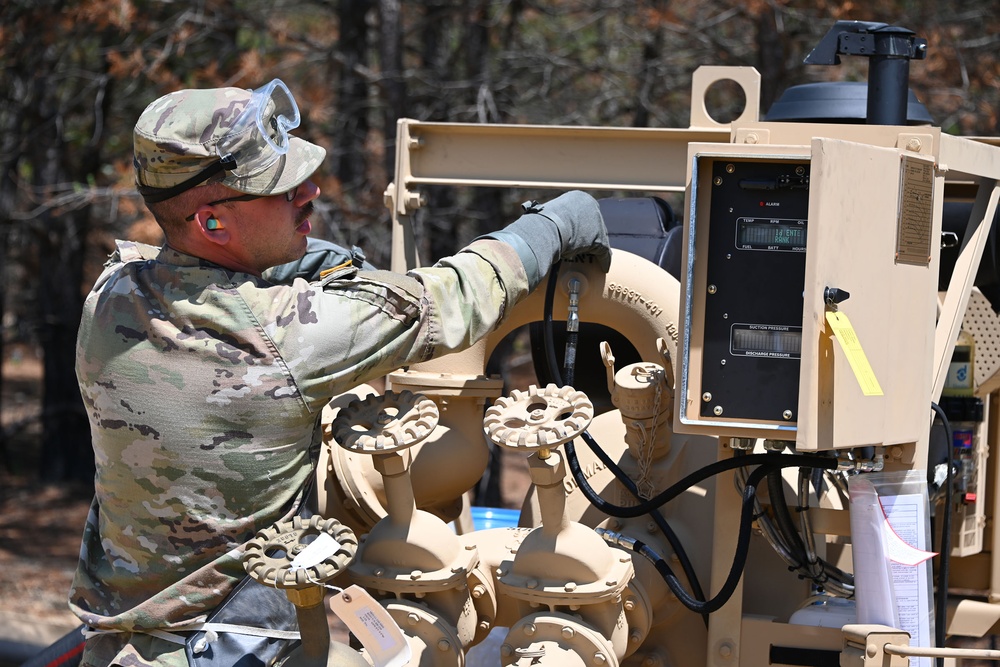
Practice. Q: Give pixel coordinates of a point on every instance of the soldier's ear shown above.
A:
(211, 228)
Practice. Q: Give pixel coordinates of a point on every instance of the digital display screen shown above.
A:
(771, 234)
(767, 340)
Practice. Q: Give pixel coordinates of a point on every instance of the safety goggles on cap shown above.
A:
(259, 136)
(255, 141)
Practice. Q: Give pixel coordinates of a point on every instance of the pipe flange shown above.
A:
(386, 423)
(555, 638)
(538, 418)
(268, 556)
(432, 639)
(484, 601)
(638, 615)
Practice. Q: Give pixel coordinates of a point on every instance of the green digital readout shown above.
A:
(770, 234)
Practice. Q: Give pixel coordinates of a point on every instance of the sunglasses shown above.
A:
(289, 196)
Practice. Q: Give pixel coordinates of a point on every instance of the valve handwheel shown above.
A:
(386, 423)
(538, 418)
(269, 556)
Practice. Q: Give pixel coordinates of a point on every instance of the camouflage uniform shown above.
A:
(204, 388)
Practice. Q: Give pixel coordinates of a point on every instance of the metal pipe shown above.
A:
(315, 634)
(889, 76)
(934, 652)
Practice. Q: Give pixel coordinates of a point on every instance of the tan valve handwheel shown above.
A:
(387, 423)
(269, 556)
(538, 418)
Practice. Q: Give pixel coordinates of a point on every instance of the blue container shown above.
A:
(484, 518)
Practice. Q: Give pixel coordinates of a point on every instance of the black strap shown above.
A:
(156, 195)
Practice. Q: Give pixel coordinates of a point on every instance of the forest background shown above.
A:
(76, 74)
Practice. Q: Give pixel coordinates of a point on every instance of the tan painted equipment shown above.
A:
(704, 517)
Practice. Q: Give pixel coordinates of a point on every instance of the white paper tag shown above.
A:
(371, 623)
(323, 547)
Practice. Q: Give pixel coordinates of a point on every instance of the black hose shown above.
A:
(551, 365)
(685, 562)
(768, 460)
(574, 462)
(776, 492)
(739, 558)
(827, 575)
(941, 612)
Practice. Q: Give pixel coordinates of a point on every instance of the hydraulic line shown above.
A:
(768, 530)
(739, 558)
(574, 463)
(572, 331)
(941, 606)
(830, 577)
(783, 516)
(766, 460)
(805, 526)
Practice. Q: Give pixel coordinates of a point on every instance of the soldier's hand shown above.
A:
(566, 227)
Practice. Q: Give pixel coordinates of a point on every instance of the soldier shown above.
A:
(204, 376)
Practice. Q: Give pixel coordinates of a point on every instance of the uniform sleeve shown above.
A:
(336, 336)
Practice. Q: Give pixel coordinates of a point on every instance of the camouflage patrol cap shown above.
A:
(175, 140)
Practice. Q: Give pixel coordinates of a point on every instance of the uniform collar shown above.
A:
(133, 251)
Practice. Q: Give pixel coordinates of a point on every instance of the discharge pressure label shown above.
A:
(776, 341)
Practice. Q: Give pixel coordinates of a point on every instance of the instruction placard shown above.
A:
(915, 217)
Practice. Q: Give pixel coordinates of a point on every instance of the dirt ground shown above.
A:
(40, 528)
(40, 525)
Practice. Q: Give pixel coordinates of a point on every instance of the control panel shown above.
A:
(744, 300)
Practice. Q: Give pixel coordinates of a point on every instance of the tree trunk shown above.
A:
(647, 76)
(60, 235)
(352, 94)
(66, 447)
(4, 458)
(770, 58)
(394, 87)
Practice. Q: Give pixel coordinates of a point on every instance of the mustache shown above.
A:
(304, 213)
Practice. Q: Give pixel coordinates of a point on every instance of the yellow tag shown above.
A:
(849, 342)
